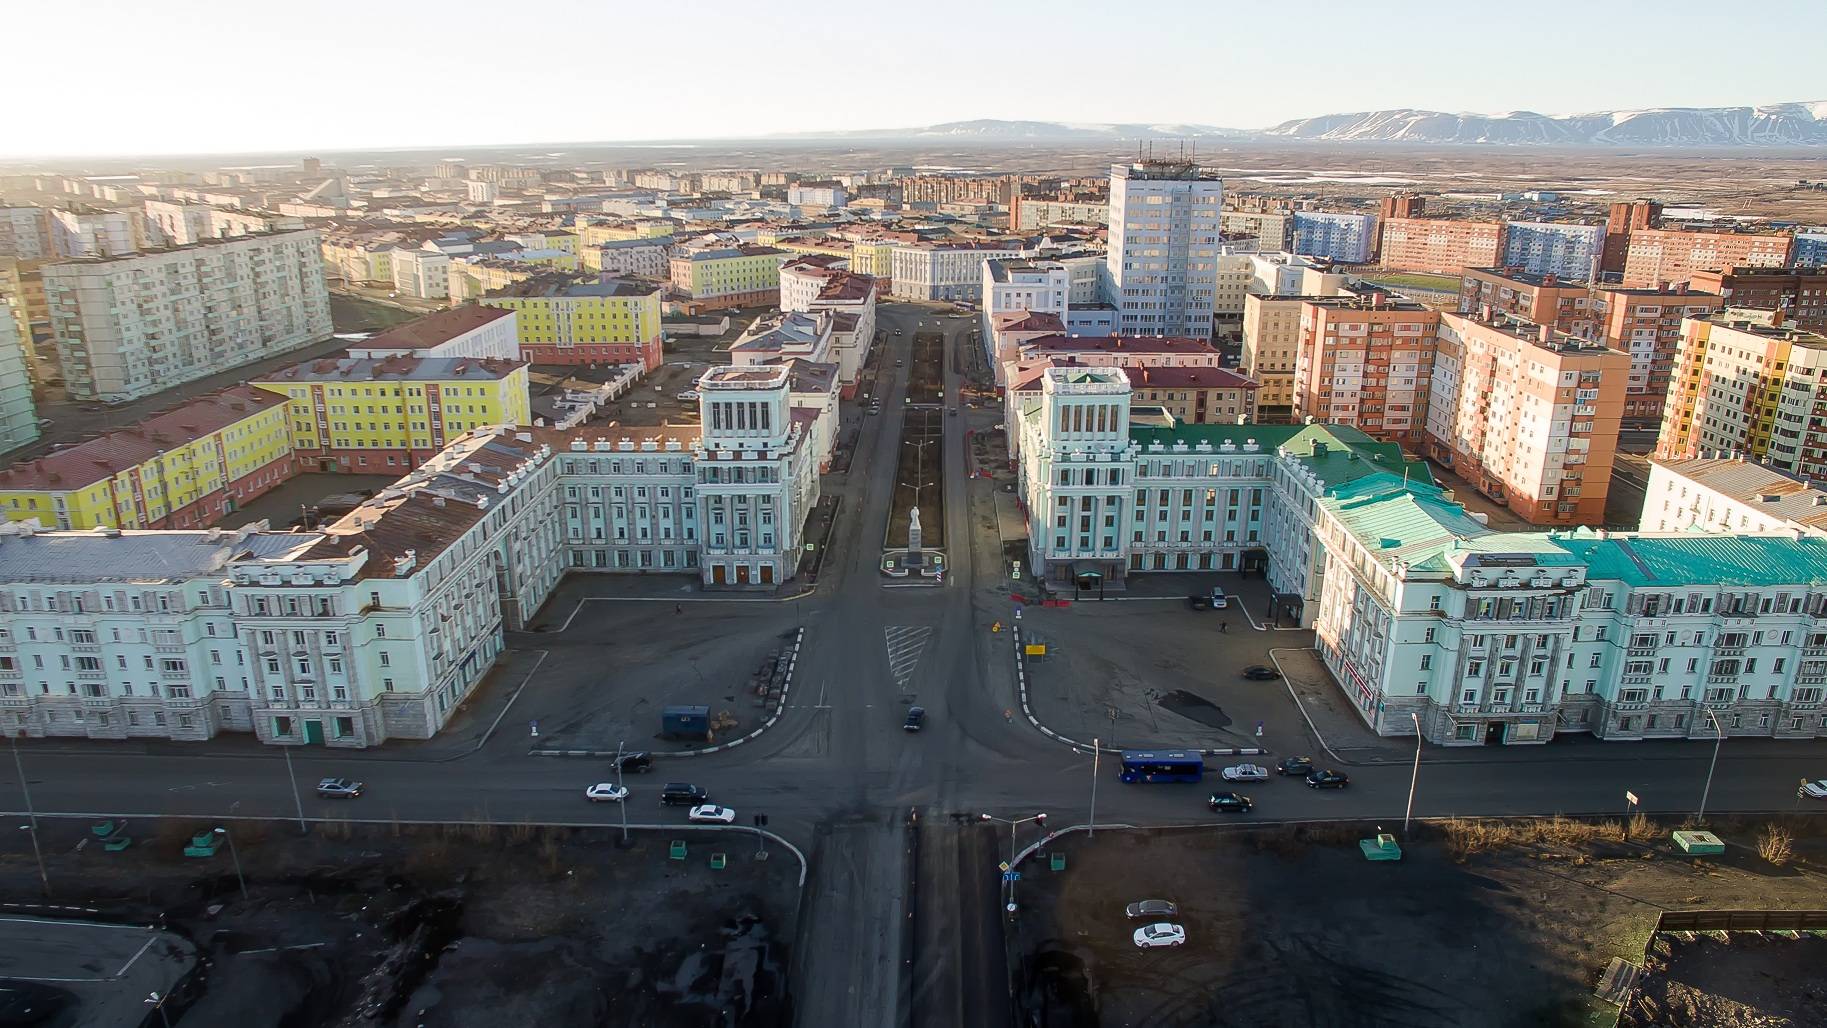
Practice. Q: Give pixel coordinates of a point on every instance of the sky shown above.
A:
(96, 77)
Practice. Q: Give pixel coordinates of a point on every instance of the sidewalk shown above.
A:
(1342, 733)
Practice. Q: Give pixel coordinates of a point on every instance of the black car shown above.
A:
(1302, 766)
(1261, 673)
(916, 716)
(637, 763)
(1327, 780)
(1230, 802)
(679, 793)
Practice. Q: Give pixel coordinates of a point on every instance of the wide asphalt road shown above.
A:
(839, 778)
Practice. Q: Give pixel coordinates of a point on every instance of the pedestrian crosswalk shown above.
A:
(905, 643)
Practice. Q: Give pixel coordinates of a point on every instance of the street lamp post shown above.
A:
(31, 814)
(1097, 750)
(158, 1004)
(1718, 737)
(1414, 776)
(621, 780)
(239, 877)
(1014, 824)
(292, 777)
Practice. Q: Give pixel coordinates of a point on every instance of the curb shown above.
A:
(1021, 686)
(785, 688)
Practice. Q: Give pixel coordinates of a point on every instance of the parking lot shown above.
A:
(1155, 673)
(80, 974)
(693, 652)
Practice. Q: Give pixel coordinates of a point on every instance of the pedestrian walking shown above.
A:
(678, 608)
(1224, 627)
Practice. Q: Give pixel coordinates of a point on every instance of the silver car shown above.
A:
(1151, 908)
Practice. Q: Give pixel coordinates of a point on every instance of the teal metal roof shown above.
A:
(1699, 558)
(1409, 521)
(1266, 436)
(1338, 454)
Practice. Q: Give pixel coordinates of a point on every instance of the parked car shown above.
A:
(1151, 908)
(689, 394)
(339, 788)
(605, 792)
(678, 793)
(1328, 780)
(637, 763)
(1302, 766)
(1261, 673)
(1219, 599)
(1816, 790)
(1246, 773)
(1230, 802)
(1161, 933)
(915, 717)
(710, 813)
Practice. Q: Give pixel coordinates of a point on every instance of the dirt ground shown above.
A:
(1291, 926)
(1744, 979)
(428, 926)
(919, 471)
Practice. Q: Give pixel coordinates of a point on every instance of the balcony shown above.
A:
(1728, 651)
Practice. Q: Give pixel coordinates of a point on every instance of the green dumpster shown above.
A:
(678, 849)
(719, 861)
(1057, 861)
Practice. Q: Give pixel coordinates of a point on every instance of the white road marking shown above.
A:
(905, 644)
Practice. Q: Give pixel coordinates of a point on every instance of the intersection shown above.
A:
(840, 779)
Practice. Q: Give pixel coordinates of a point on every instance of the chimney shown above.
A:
(1776, 318)
(1545, 333)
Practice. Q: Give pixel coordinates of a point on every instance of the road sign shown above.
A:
(1003, 865)
(1630, 798)
(1011, 876)
(1017, 572)
(1259, 729)
(534, 725)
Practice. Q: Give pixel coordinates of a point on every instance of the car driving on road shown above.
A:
(1161, 933)
(916, 716)
(1327, 780)
(1230, 802)
(1302, 766)
(1246, 773)
(678, 793)
(1816, 790)
(710, 813)
(605, 792)
(1261, 673)
(339, 788)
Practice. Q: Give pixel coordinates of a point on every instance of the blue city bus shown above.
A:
(1162, 766)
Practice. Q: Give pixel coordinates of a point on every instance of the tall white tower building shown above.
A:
(1163, 256)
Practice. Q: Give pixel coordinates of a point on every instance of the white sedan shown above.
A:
(1816, 790)
(710, 813)
(1161, 933)
(1246, 773)
(605, 792)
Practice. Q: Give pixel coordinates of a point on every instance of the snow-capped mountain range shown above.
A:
(1789, 124)
(1785, 124)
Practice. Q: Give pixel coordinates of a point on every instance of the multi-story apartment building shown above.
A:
(1624, 218)
(1123, 351)
(18, 415)
(1162, 264)
(1271, 231)
(25, 233)
(178, 222)
(96, 232)
(951, 271)
(801, 278)
(1365, 362)
(1039, 287)
(1655, 256)
(1195, 396)
(422, 273)
(1746, 383)
(373, 628)
(1444, 246)
(1646, 323)
(1336, 236)
(390, 412)
(1529, 416)
(1730, 494)
(1282, 273)
(564, 319)
(1800, 292)
(937, 189)
(183, 468)
(1543, 299)
(1271, 348)
(821, 195)
(1027, 213)
(127, 327)
(732, 276)
(635, 258)
(22, 286)
(1568, 251)
(850, 300)
(1810, 248)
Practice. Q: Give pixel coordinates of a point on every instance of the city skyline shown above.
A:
(302, 87)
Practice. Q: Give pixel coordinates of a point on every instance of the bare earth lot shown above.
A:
(1291, 926)
(465, 926)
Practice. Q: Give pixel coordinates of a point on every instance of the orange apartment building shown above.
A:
(1646, 324)
(1658, 255)
(1366, 361)
(1444, 246)
(1196, 396)
(1748, 383)
(1800, 293)
(1542, 299)
(1528, 415)
(1625, 218)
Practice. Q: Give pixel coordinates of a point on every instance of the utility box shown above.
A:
(1699, 844)
(685, 722)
